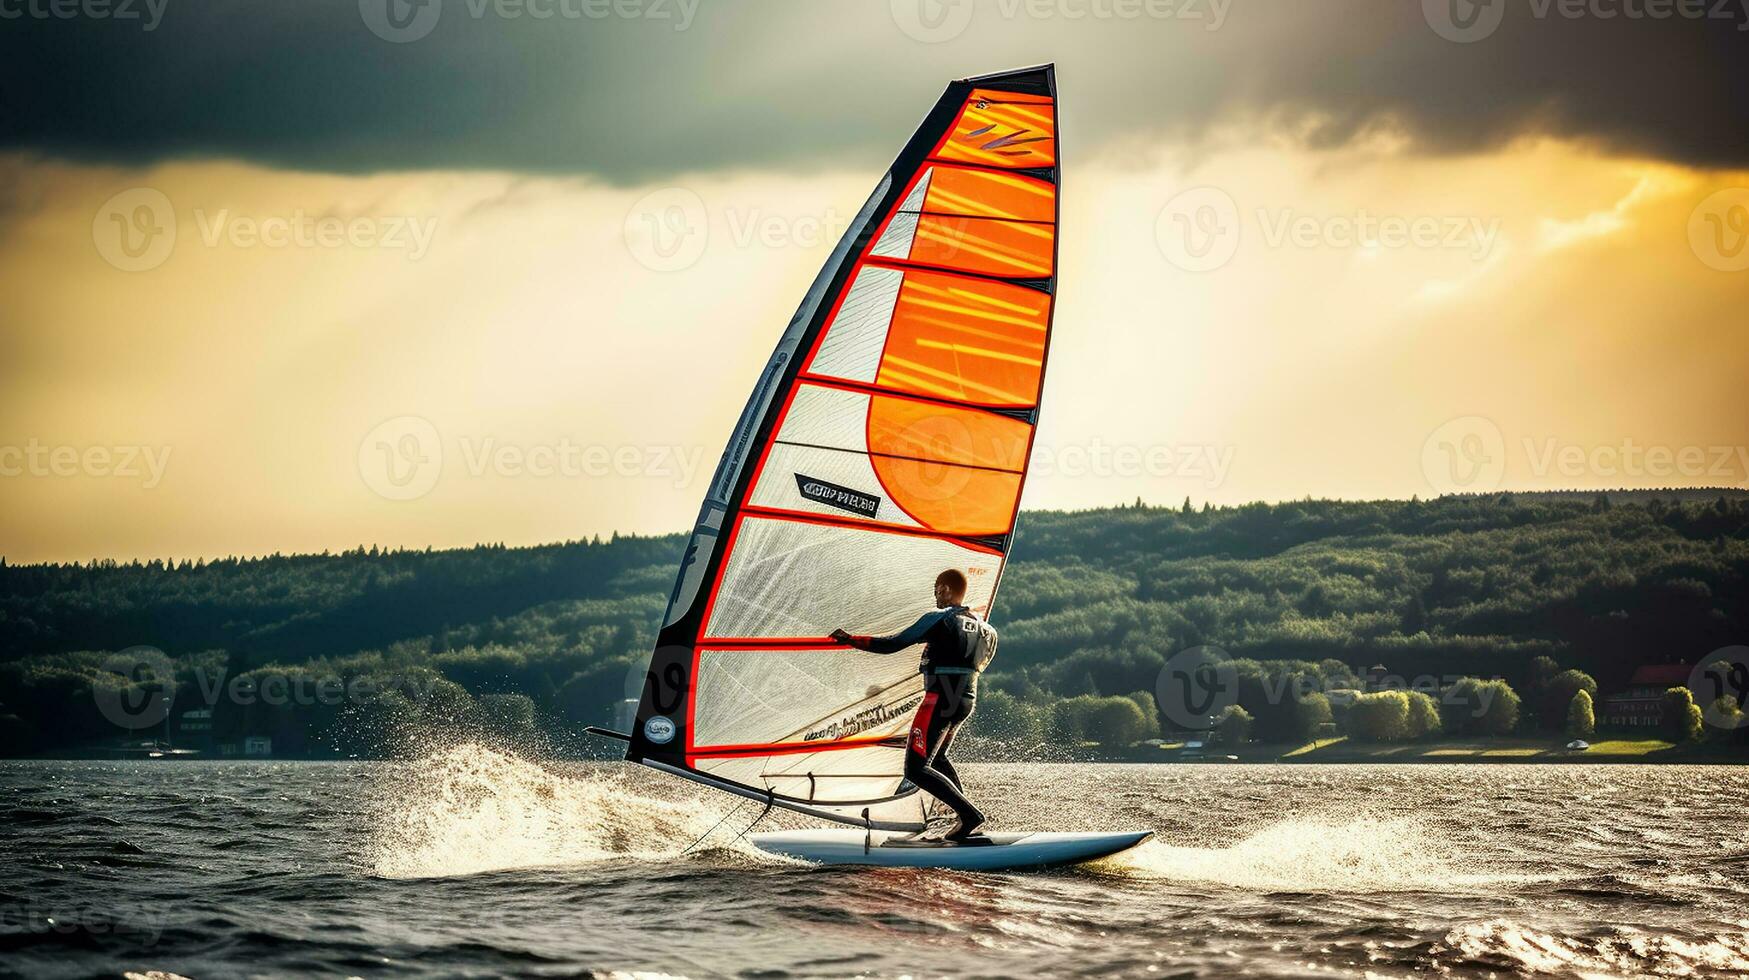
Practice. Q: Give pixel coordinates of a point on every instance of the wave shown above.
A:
(1626, 952)
(470, 809)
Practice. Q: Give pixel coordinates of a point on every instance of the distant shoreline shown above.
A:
(1605, 750)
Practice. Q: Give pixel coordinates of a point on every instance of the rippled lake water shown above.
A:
(474, 863)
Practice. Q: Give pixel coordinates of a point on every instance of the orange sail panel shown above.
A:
(886, 440)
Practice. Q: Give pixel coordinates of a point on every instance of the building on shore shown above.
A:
(1641, 704)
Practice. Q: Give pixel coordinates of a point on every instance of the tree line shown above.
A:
(538, 642)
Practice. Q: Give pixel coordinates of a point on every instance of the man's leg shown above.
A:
(929, 732)
(943, 765)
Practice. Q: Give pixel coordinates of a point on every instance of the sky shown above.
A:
(297, 277)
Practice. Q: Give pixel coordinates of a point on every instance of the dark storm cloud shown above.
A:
(630, 89)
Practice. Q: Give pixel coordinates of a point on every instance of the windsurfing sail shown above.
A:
(886, 440)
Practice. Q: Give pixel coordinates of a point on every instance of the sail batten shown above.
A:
(886, 440)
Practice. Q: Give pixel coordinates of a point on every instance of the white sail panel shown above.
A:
(802, 580)
(821, 694)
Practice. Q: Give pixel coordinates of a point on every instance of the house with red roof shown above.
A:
(1641, 705)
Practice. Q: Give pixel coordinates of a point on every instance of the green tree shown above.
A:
(1108, 720)
(1424, 717)
(1478, 707)
(1382, 716)
(1234, 728)
(1002, 717)
(1581, 716)
(1558, 694)
(1682, 719)
(1310, 716)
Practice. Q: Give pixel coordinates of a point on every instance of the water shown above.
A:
(474, 863)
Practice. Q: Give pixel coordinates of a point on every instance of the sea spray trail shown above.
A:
(1320, 854)
(470, 809)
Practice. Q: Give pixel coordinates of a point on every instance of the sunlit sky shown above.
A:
(529, 271)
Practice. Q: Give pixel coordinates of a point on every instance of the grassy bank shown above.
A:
(1489, 750)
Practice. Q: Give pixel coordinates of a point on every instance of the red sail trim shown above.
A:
(776, 644)
(868, 388)
(888, 262)
(851, 523)
(790, 748)
(900, 456)
(966, 217)
(935, 161)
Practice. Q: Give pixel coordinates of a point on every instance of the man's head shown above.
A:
(950, 587)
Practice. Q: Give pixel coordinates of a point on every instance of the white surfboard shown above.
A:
(1003, 852)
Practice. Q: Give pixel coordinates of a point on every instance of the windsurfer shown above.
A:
(957, 646)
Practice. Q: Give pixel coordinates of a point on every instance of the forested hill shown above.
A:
(1092, 602)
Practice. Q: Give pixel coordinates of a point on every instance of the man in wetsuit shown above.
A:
(957, 645)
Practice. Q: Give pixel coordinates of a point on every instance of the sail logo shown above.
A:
(833, 495)
(659, 729)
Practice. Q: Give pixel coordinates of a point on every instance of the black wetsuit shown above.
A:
(956, 644)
